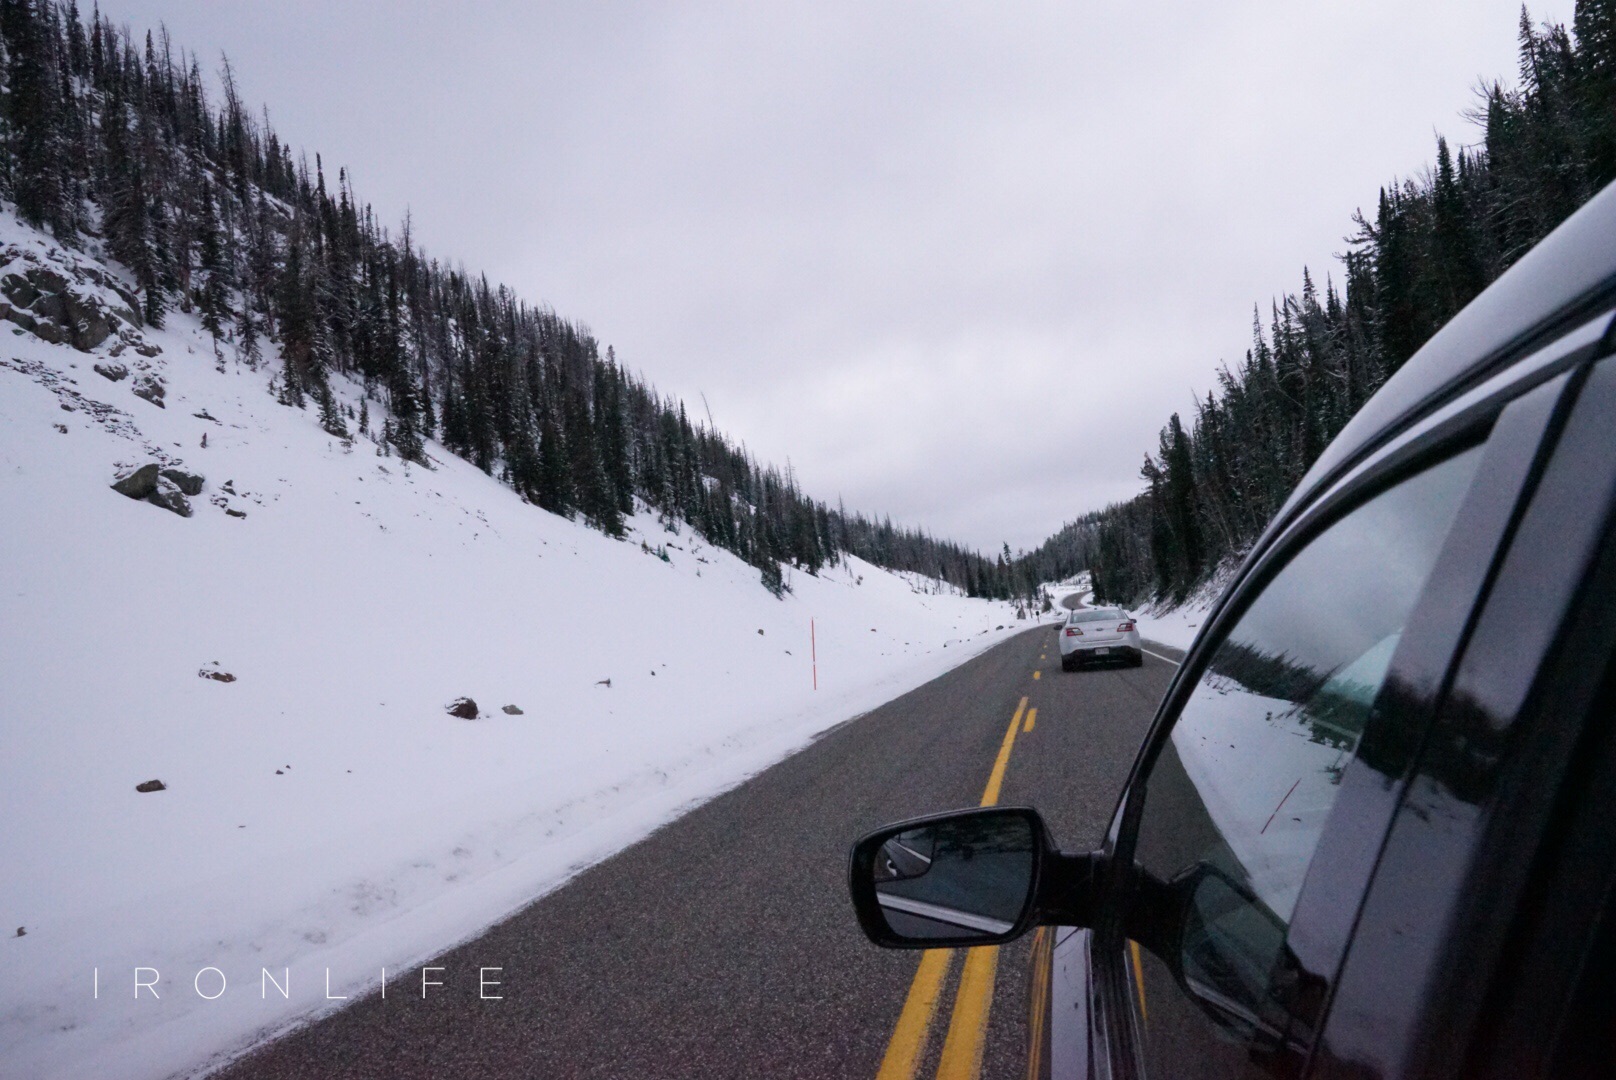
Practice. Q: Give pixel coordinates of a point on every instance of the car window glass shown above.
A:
(1097, 615)
(1238, 795)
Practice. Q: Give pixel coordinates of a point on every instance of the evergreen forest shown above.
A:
(1430, 244)
(111, 144)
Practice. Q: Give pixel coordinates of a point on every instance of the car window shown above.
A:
(1089, 615)
(1237, 797)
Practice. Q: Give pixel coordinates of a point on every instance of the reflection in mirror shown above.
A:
(956, 878)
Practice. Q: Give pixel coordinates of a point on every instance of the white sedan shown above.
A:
(1101, 633)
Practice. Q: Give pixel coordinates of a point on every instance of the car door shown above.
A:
(1480, 929)
(1245, 841)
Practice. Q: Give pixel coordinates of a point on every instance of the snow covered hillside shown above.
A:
(281, 661)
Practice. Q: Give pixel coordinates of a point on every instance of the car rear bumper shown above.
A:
(1116, 651)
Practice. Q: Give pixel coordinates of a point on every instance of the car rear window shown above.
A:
(1104, 614)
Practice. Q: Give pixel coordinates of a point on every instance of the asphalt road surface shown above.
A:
(724, 945)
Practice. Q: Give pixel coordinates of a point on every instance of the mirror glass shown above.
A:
(962, 877)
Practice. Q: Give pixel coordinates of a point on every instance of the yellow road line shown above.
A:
(990, 794)
(914, 1023)
(1032, 718)
(1038, 674)
(1139, 980)
(1041, 953)
(967, 1031)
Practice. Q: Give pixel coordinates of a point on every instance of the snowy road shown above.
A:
(724, 944)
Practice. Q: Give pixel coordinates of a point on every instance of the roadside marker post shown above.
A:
(813, 649)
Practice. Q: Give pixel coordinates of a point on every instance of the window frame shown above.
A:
(1470, 419)
(1497, 930)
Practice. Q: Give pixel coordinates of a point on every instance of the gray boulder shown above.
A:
(91, 327)
(151, 388)
(511, 710)
(19, 290)
(171, 498)
(151, 785)
(188, 483)
(464, 708)
(115, 372)
(55, 334)
(138, 484)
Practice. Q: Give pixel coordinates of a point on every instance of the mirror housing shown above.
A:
(972, 877)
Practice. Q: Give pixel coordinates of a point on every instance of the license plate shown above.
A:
(1101, 652)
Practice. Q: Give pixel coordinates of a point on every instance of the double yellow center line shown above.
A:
(967, 1028)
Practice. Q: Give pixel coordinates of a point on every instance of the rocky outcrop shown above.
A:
(464, 708)
(167, 488)
(151, 785)
(115, 372)
(511, 710)
(77, 305)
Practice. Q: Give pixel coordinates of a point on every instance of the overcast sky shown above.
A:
(956, 262)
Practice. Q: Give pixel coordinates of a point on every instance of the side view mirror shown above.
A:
(973, 877)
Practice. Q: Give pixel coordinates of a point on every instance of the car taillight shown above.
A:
(1072, 631)
(1124, 628)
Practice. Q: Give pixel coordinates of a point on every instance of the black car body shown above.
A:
(1372, 832)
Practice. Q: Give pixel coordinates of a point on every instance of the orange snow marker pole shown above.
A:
(813, 647)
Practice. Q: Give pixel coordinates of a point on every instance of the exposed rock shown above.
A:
(91, 329)
(21, 932)
(138, 484)
(151, 785)
(464, 708)
(235, 513)
(45, 330)
(171, 498)
(151, 388)
(146, 348)
(19, 290)
(511, 710)
(60, 427)
(189, 483)
(607, 683)
(60, 310)
(115, 372)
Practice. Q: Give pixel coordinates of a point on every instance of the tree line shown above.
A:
(1431, 244)
(112, 145)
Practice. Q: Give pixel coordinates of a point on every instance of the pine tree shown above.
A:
(214, 302)
(33, 114)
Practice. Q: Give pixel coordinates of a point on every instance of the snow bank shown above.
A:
(322, 810)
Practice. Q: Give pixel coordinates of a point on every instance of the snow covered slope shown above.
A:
(321, 809)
